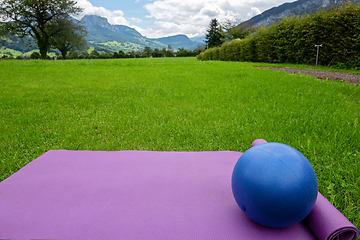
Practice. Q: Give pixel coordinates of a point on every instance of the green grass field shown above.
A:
(180, 104)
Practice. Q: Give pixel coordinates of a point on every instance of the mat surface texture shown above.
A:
(141, 195)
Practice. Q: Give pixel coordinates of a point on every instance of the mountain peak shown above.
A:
(100, 31)
(178, 37)
(96, 21)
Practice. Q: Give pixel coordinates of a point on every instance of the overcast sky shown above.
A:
(162, 18)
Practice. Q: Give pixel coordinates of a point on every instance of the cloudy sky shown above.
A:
(161, 18)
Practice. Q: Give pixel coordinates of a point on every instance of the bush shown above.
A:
(224, 52)
(74, 55)
(35, 55)
(293, 40)
(94, 54)
(200, 56)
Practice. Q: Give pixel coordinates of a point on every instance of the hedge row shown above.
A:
(293, 40)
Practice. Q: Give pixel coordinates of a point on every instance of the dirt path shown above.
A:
(334, 76)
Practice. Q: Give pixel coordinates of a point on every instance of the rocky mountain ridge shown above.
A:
(300, 7)
(100, 31)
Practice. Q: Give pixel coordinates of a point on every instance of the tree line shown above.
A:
(293, 40)
(98, 54)
(146, 53)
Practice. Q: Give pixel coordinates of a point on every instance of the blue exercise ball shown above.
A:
(274, 185)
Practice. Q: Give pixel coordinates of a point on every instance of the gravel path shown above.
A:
(346, 77)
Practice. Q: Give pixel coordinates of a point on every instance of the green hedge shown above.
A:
(293, 40)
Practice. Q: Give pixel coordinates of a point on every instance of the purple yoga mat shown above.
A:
(140, 195)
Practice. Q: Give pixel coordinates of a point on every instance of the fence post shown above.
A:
(317, 53)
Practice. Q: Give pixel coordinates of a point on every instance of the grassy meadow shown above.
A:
(180, 104)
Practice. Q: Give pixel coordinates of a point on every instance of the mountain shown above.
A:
(103, 35)
(115, 37)
(22, 45)
(300, 7)
(178, 41)
(109, 38)
(198, 39)
(100, 30)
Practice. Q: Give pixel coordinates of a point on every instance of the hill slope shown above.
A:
(102, 33)
(299, 7)
(115, 37)
(178, 41)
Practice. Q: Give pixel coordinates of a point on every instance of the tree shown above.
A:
(156, 53)
(122, 54)
(213, 36)
(94, 54)
(35, 55)
(170, 52)
(74, 55)
(147, 51)
(70, 35)
(132, 54)
(231, 30)
(200, 48)
(163, 52)
(33, 17)
(84, 55)
(181, 52)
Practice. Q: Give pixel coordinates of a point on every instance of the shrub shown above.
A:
(35, 55)
(293, 40)
(94, 54)
(74, 55)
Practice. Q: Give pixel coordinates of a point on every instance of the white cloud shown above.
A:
(253, 12)
(193, 17)
(188, 17)
(137, 20)
(114, 17)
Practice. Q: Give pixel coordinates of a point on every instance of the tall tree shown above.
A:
(213, 36)
(170, 51)
(69, 35)
(156, 53)
(231, 30)
(33, 17)
(148, 51)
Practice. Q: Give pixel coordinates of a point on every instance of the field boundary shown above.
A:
(325, 75)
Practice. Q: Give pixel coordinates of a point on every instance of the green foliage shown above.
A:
(94, 54)
(231, 30)
(84, 55)
(70, 35)
(35, 18)
(181, 52)
(213, 36)
(169, 52)
(156, 53)
(74, 55)
(214, 53)
(35, 55)
(122, 54)
(148, 51)
(293, 40)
